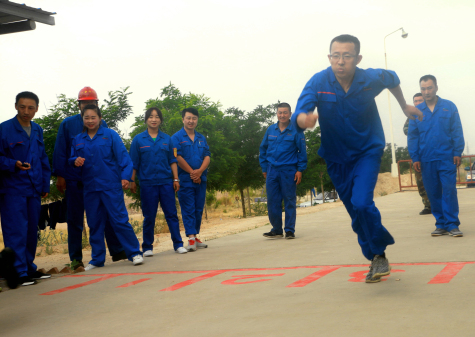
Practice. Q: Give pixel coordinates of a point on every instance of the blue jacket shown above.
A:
(439, 136)
(152, 159)
(349, 122)
(107, 160)
(68, 129)
(16, 145)
(283, 150)
(194, 154)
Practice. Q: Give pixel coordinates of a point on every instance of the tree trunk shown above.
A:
(84, 231)
(249, 201)
(323, 194)
(243, 203)
(206, 212)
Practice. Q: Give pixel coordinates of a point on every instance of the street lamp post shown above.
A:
(393, 151)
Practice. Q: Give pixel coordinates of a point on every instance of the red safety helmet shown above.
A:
(87, 94)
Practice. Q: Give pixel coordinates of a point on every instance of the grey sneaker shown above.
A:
(455, 232)
(439, 232)
(380, 267)
(369, 276)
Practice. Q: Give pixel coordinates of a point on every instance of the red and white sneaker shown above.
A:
(200, 244)
(191, 245)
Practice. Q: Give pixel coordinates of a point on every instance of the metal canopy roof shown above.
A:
(19, 17)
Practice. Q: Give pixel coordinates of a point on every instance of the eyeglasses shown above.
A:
(346, 57)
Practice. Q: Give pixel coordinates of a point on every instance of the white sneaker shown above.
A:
(137, 259)
(191, 245)
(181, 250)
(89, 267)
(200, 244)
(148, 253)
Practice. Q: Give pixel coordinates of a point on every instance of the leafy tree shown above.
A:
(114, 110)
(402, 153)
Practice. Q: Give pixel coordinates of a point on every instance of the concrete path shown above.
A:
(245, 285)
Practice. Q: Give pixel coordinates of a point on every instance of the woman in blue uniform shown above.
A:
(106, 169)
(156, 167)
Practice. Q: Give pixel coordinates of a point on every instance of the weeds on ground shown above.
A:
(259, 208)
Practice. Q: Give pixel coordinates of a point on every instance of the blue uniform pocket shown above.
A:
(444, 125)
(326, 106)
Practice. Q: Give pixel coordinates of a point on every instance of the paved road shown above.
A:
(245, 285)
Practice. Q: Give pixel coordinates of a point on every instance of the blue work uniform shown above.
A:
(152, 160)
(106, 164)
(434, 143)
(20, 191)
(281, 155)
(191, 195)
(69, 128)
(352, 145)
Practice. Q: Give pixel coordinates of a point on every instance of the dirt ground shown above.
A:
(222, 221)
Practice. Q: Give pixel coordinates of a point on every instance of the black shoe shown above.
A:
(425, 211)
(7, 269)
(289, 235)
(78, 264)
(119, 256)
(272, 235)
(37, 275)
(27, 281)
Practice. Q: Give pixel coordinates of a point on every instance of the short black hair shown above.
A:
(284, 105)
(416, 95)
(347, 38)
(27, 94)
(92, 107)
(428, 77)
(190, 110)
(149, 111)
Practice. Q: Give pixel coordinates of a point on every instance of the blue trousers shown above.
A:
(280, 186)
(19, 216)
(439, 179)
(355, 183)
(150, 196)
(103, 205)
(75, 210)
(192, 201)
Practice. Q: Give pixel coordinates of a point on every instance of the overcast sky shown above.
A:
(242, 53)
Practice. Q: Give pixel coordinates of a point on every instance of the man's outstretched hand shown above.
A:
(307, 120)
(411, 111)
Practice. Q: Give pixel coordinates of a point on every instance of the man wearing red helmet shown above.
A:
(69, 180)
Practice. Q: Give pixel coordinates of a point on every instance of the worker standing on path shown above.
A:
(106, 168)
(193, 155)
(24, 180)
(435, 145)
(283, 158)
(417, 99)
(69, 182)
(353, 139)
(156, 168)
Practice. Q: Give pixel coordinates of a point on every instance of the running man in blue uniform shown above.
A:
(69, 182)
(283, 158)
(353, 139)
(24, 180)
(193, 156)
(435, 145)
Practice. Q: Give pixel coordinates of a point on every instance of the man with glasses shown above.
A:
(353, 139)
(435, 146)
(417, 99)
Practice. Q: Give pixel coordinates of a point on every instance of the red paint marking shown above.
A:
(133, 283)
(193, 280)
(360, 276)
(245, 277)
(324, 92)
(448, 273)
(144, 146)
(313, 277)
(62, 290)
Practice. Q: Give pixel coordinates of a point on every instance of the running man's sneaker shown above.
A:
(272, 235)
(200, 244)
(380, 267)
(27, 281)
(191, 245)
(119, 256)
(425, 211)
(89, 267)
(439, 232)
(137, 259)
(455, 232)
(148, 253)
(289, 235)
(37, 275)
(181, 250)
(369, 276)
